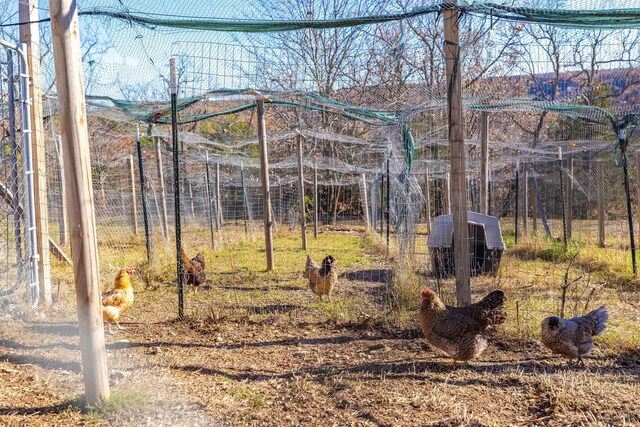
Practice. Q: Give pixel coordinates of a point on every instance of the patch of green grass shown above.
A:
(122, 402)
(248, 395)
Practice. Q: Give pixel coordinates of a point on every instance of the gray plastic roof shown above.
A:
(442, 230)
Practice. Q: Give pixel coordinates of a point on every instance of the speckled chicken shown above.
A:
(573, 338)
(458, 330)
(323, 279)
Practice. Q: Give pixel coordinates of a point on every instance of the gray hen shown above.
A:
(573, 338)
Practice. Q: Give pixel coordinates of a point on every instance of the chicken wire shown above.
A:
(18, 253)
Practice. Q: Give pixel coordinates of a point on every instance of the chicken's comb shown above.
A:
(426, 292)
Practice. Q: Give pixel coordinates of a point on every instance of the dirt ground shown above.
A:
(260, 349)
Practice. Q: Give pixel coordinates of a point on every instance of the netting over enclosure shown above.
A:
(356, 111)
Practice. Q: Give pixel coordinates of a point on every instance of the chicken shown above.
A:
(573, 338)
(119, 299)
(458, 330)
(194, 273)
(323, 279)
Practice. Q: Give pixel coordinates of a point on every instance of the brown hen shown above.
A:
(193, 273)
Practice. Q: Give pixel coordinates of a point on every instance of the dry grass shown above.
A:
(257, 348)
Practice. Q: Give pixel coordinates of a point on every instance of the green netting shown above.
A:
(586, 19)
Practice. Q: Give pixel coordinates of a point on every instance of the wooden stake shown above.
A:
(30, 35)
(134, 207)
(264, 175)
(525, 200)
(637, 192)
(484, 163)
(601, 234)
(84, 242)
(163, 193)
(210, 203)
(534, 210)
(315, 200)
(447, 192)
(569, 197)
(303, 217)
(219, 217)
(428, 197)
(564, 214)
(458, 200)
(62, 221)
(365, 203)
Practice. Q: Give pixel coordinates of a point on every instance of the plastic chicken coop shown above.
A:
(485, 246)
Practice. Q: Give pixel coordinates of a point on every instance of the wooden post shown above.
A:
(163, 193)
(210, 203)
(458, 200)
(30, 35)
(517, 207)
(245, 201)
(601, 234)
(219, 218)
(315, 200)
(134, 207)
(63, 221)
(534, 210)
(447, 192)
(365, 203)
(303, 219)
(564, 214)
(525, 199)
(428, 197)
(484, 163)
(637, 161)
(569, 196)
(84, 242)
(264, 175)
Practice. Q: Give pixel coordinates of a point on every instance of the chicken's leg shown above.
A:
(119, 327)
(110, 331)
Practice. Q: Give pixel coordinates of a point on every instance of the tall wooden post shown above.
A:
(447, 192)
(569, 197)
(484, 163)
(562, 195)
(365, 203)
(458, 199)
(532, 203)
(30, 35)
(525, 200)
(84, 242)
(315, 200)
(219, 218)
(637, 161)
(303, 219)
(428, 197)
(163, 193)
(264, 175)
(210, 203)
(601, 234)
(63, 220)
(134, 206)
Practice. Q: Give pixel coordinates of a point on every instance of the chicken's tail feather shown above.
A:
(601, 316)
